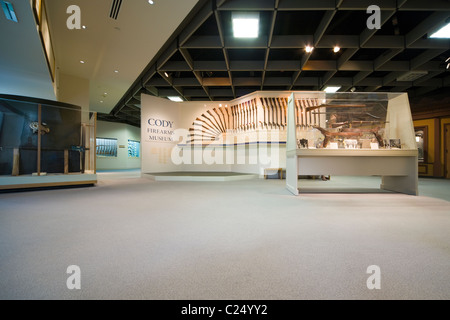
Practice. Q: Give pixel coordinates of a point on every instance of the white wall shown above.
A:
(121, 132)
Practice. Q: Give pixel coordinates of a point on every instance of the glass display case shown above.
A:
(44, 138)
(345, 121)
(352, 134)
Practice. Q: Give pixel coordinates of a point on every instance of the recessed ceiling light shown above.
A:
(101, 101)
(309, 49)
(151, 1)
(245, 25)
(8, 9)
(81, 61)
(116, 71)
(336, 49)
(84, 27)
(166, 74)
(331, 89)
(443, 33)
(175, 99)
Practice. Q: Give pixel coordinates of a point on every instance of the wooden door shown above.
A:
(447, 150)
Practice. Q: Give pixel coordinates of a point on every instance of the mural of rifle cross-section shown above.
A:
(262, 113)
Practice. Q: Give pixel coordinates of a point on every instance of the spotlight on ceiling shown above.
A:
(309, 49)
(151, 1)
(336, 49)
(353, 89)
(448, 63)
(245, 24)
(175, 99)
(331, 89)
(166, 74)
(443, 33)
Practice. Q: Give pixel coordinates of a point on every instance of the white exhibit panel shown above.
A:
(353, 134)
(246, 135)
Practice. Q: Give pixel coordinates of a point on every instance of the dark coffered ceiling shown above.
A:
(202, 60)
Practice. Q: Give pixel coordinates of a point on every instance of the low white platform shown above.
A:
(200, 176)
(50, 180)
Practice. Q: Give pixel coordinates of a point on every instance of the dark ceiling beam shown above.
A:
(172, 66)
(153, 90)
(430, 44)
(256, 43)
(203, 42)
(186, 82)
(414, 64)
(422, 90)
(360, 77)
(320, 65)
(320, 31)
(277, 81)
(385, 57)
(291, 41)
(220, 3)
(171, 50)
(247, 65)
(196, 22)
(296, 75)
(341, 40)
(282, 65)
(216, 82)
(425, 57)
(296, 5)
(269, 42)
(210, 66)
(434, 20)
(421, 5)
(236, 5)
(250, 81)
(345, 57)
(188, 58)
(224, 50)
(364, 4)
(148, 75)
(369, 82)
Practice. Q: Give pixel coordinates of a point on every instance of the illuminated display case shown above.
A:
(45, 143)
(352, 134)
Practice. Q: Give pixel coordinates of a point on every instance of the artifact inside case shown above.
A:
(340, 123)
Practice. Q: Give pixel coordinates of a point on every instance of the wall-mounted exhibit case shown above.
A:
(352, 134)
(44, 143)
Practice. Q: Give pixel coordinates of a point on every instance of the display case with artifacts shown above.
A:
(45, 138)
(352, 134)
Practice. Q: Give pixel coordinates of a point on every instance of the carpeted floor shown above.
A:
(134, 238)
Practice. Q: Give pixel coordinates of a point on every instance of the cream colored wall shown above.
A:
(74, 90)
(121, 132)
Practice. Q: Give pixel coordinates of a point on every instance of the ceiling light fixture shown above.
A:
(84, 27)
(245, 25)
(175, 99)
(151, 1)
(448, 63)
(82, 62)
(336, 49)
(8, 9)
(166, 74)
(116, 71)
(331, 89)
(443, 33)
(309, 49)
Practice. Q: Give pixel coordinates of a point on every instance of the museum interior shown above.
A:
(225, 149)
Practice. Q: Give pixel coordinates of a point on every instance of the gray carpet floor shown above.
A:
(134, 238)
